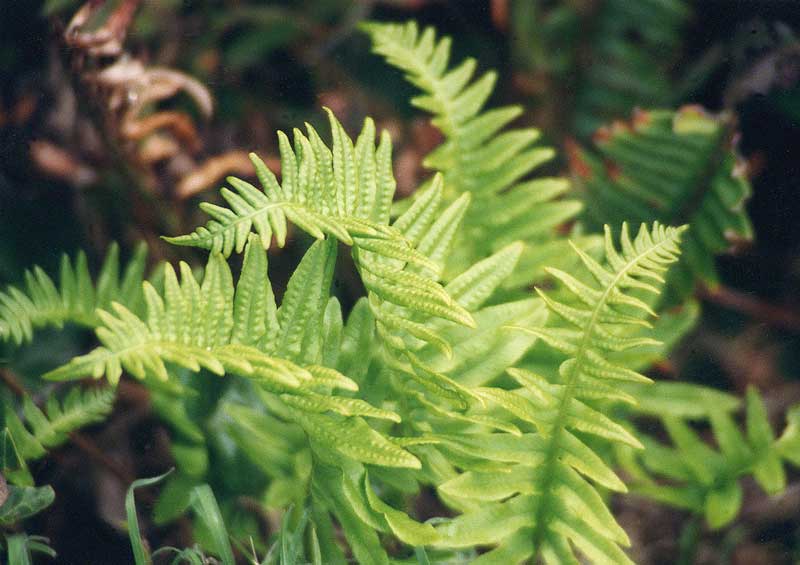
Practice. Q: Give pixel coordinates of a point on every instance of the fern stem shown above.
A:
(12, 382)
(687, 543)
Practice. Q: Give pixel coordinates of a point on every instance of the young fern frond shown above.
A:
(344, 192)
(553, 507)
(50, 428)
(477, 156)
(704, 480)
(75, 299)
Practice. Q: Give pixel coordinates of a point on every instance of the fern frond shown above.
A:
(43, 430)
(705, 480)
(76, 297)
(344, 192)
(624, 72)
(553, 506)
(673, 167)
(477, 157)
(199, 325)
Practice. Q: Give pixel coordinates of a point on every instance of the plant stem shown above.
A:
(754, 307)
(687, 543)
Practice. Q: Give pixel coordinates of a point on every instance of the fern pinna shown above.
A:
(28, 438)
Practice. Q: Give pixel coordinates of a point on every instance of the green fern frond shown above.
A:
(624, 58)
(344, 192)
(623, 71)
(674, 167)
(690, 474)
(50, 428)
(477, 156)
(76, 297)
(553, 507)
(600, 310)
(198, 326)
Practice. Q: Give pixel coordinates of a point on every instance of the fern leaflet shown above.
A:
(50, 428)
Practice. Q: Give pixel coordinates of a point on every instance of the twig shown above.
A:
(12, 382)
(754, 307)
(98, 456)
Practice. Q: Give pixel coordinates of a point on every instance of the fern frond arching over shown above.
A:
(676, 167)
(75, 299)
(553, 507)
(344, 192)
(692, 475)
(478, 157)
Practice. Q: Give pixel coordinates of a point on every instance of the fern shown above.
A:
(552, 504)
(346, 193)
(225, 330)
(76, 298)
(335, 416)
(626, 69)
(622, 60)
(677, 167)
(477, 156)
(28, 438)
(200, 326)
(704, 480)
